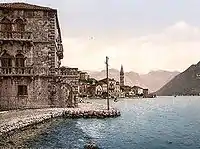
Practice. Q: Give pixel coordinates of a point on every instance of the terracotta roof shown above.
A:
(24, 6)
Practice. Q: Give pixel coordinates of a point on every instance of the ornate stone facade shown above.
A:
(30, 56)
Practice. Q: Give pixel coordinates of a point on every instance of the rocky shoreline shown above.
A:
(16, 120)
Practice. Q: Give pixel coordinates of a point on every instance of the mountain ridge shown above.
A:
(153, 80)
(186, 83)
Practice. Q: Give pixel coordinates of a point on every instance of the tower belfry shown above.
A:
(122, 76)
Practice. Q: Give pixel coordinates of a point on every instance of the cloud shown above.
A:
(175, 48)
(179, 32)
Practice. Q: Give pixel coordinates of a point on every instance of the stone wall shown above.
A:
(37, 97)
(41, 93)
(42, 57)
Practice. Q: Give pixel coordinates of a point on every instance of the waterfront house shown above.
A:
(127, 91)
(117, 90)
(86, 85)
(30, 57)
(99, 89)
(138, 90)
(113, 86)
(103, 84)
(84, 76)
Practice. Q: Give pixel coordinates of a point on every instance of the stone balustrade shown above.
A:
(23, 71)
(15, 35)
(16, 71)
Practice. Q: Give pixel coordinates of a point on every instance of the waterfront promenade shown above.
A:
(17, 119)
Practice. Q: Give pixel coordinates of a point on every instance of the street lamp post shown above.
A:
(107, 82)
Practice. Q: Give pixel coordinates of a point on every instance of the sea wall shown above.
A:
(15, 120)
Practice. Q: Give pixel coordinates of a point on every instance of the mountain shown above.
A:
(157, 79)
(154, 80)
(186, 83)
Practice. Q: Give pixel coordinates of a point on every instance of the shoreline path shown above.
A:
(16, 119)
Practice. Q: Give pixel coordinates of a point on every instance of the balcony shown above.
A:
(15, 36)
(23, 71)
(16, 71)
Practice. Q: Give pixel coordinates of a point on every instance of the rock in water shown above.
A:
(91, 145)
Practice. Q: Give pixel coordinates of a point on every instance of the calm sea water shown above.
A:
(159, 123)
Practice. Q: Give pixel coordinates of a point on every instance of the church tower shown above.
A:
(122, 76)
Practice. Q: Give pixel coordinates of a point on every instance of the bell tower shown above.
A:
(122, 76)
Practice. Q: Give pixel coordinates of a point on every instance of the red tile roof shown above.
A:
(24, 6)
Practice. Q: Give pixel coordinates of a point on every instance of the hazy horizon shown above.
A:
(85, 70)
(142, 35)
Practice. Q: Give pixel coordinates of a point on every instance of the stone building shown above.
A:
(127, 91)
(113, 87)
(138, 90)
(84, 76)
(99, 89)
(68, 83)
(30, 57)
(117, 90)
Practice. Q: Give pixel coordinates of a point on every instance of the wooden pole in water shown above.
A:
(107, 82)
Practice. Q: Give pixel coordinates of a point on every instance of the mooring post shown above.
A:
(107, 82)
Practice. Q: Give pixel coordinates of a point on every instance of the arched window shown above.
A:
(20, 60)
(6, 60)
(6, 25)
(20, 27)
(6, 28)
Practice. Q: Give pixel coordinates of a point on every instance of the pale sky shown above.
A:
(143, 35)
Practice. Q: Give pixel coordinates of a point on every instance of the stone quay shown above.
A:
(19, 119)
